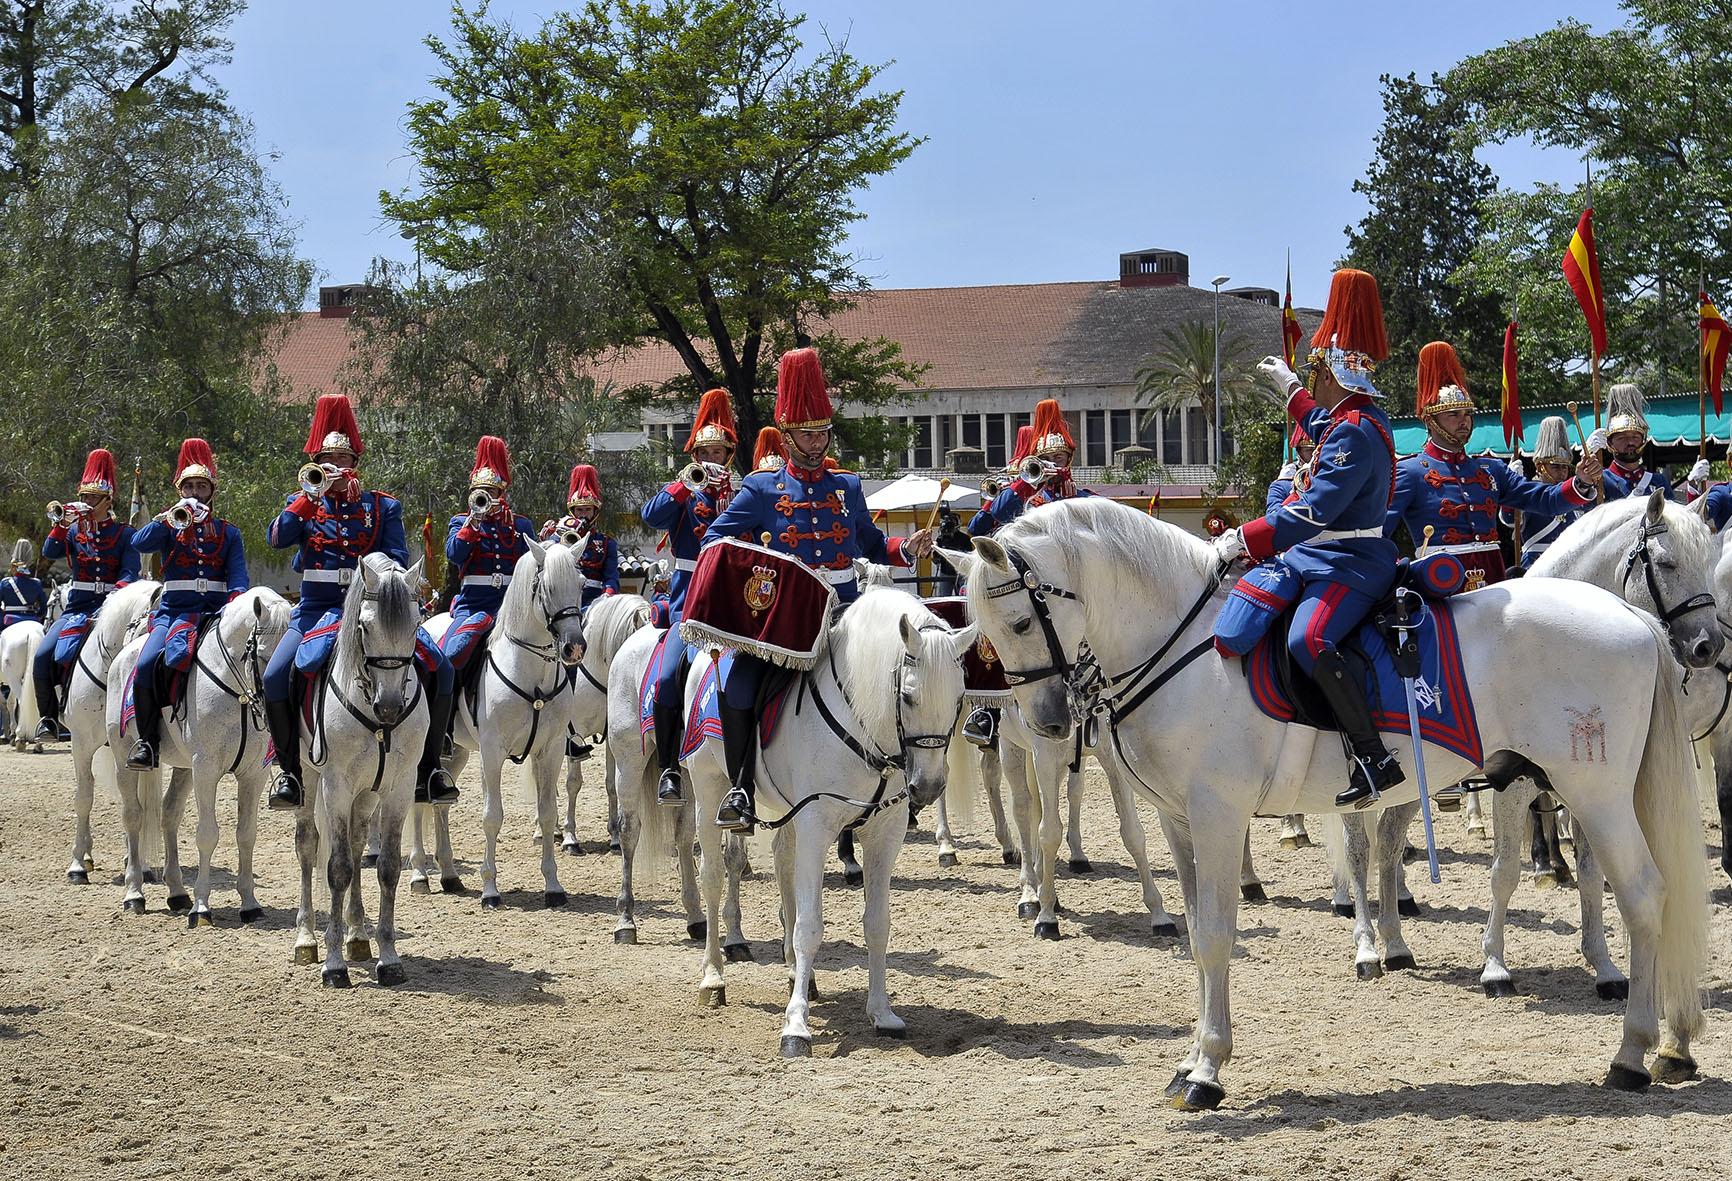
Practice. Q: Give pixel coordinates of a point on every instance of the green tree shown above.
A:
(1425, 192)
(717, 152)
(1181, 372)
(1646, 104)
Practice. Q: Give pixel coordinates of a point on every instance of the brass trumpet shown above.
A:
(58, 513)
(1035, 470)
(481, 502)
(315, 480)
(699, 476)
(572, 536)
(182, 515)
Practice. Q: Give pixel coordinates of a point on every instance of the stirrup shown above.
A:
(286, 794)
(48, 730)
(978, 727)
(142, 758)
(735, 814)
(436, 788)
(1447, 799)
(669, 789)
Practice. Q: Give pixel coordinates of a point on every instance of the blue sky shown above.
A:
(1059, 134)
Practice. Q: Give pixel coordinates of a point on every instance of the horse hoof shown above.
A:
(390, 975)
(179, 903)
(899, 1033)
(1623, 1078)
(1167, 930)
(133, 906)
(613, 847)
(1400, 963)
(1343, 910)
(306, 953)
(853, 877)
(698, 930)
(151, 878)
(1011, 857)
(334, 977)
(946, 860)
(1546, 881)
(625, 935)
(420, 886)
(198, 919)
(78, 877)
(796, 1047)
(1612, 990)
(738, 953)
(1290, 844)
(1253, 892)
(1407, 908)
(369, 861)
(1177, 1085)
(1369, 970)
(1027, 910)
(713, 998)
(1081, 865)
(252, 914)
(1046, 931)
(1498, 988)
(553, 899)
(572, 850)
(1196, 1096)
(1671, 1068)
(357, 951)
(451, 885)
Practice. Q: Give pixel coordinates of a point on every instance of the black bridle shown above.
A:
(248, 691)
(563, 679)
(382, 733)
(1640, 553)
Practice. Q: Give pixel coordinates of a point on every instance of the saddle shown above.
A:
(704, 718)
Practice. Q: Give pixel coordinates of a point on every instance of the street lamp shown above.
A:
(1216, 282)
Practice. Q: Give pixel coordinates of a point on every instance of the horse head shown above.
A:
(1019, 600)
(556, 587)
(929, 688)
(1670, 570)
(377, 637)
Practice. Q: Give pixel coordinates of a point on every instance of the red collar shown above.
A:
(1629, 473)
(1349, 404)
(1436, 452)
(806, 475)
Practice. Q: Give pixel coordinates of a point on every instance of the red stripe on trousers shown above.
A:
(1314, 638)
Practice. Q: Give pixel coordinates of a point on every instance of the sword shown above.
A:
(1406, 657)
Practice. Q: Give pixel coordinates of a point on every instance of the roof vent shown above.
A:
(1154, 267)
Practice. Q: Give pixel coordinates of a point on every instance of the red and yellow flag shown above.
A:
(1582, 269)
(1290, 332)
(430, 566)
(1512, 408)
(1716, 342)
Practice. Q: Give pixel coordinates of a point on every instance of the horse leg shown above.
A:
(1025, 807)
(712, 990)
(1215, 838)
(1250, 885)
(1392, 829)
(544, 769)
(173, 805)
(492, 820)
(358, 947)
(418, 859)
(942, 836)
(1555, 828)
(624, 835)
(1622, 851)
(1475, 815)
(1540, 847)
(1366, 964)
(370, 858)
(685, 835)
(573, 785)
(1293, 834)
(1609, 983)
(339, 876)
(388, 827)
(450, 882)
(204, 786)
(1136, 841)
(880, 843)
(734, 945)
(809, 855)
(1509, 809)
(307, 850)
(991, 771)
(1079, 861)
(132, 821)
(612, 805)
(851, 872)
(1722, 746)
(782, 856)
(250, 787)
(1051, 761)
(83, 796)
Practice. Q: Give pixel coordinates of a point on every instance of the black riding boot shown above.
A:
(1374, 768)
(147, 716)
(284, 721)
(668, 727)
(433, 783)
(740, 746)
(47, 706)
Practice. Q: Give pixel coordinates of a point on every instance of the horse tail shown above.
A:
(657, 826)
(962, 783)
(1334, 834)
(1670, 816)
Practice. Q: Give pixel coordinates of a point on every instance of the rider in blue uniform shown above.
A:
(1626, 437)
(481, 551)
(1050, 448)
(1331, 536)
(598, 558)
(1552, 464)
(1458, 495)
(983, 523)
(100, 558)
(813, 512)
(684, 510)
(331, 524)
(22, 597)
(204, 566)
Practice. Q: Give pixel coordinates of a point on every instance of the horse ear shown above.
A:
(964, 638)
(910, 635)
(1656, 505)
(1699, 506)
(992, 553)
(537, 549)
(369, 577)
(956, 559)
(413, 574)
(258, 607)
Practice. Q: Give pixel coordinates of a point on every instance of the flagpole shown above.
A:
(1515, 530)
(1701, 374)
(1594, 384)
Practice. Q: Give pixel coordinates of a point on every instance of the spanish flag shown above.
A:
(430, 567)
(1512, 409)
(1290, 331)
(1582, 269)
(1716, 342)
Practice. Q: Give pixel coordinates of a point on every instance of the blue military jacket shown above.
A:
(482, 554)
(685, 516)
(1008, 505)
(203, 567)
(1637, 481)
(337, 537)
(22, 597)
(1459, 495)
(100, 559)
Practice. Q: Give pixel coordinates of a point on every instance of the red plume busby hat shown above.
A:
(334, 426)
(1051, 434)
(195, 463)
(1024, 446)
(98, 478)
(802, 399)
(714, 425)
(492, 464)
(1351, 340)
(771, 453)
(585, 487)
(1442, 384)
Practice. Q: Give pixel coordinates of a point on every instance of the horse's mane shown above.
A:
(396, 611)
(1568, 556)
(866, 647)
(119, 611)
(273, 614)
(612, 620)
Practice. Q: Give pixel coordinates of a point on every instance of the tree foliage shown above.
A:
(705, 140)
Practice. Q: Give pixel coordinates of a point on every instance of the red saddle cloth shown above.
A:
(759, 601)
(982, 674)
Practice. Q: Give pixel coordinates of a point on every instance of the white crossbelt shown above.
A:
(591, 583)
(1345, 534)
(340, 577)
(1471, 547)
(686, 564)
(202, 585)
(493, 580)
(95, 588)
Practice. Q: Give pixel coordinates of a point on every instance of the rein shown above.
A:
(382, 733)
(561, 682)
(1639, 552)
(247, 697)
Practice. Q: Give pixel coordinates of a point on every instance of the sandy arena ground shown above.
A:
(526, 1044)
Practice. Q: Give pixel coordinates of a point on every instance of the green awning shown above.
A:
(1671, 422)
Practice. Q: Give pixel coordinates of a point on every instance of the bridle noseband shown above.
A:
(1640, 553)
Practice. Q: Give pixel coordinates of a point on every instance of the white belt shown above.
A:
(1471, 547)
(340, 577)
(95, 588)
(494, 580)
(1344, 534)
(201, 585)
(837, 577)
(686, 564)
(591, 583)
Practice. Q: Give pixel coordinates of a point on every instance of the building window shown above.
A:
(1198, 427)
(1124, 431)
(923, 443)
(995, 453)
(971, 430)
(946, 433)
(1094, 426)
(1172, 437)
(1149, 430)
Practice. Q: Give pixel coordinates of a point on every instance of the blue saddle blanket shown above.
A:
(703, 718)
(1446, 716)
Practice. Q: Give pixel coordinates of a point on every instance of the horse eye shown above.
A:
(1666, 563)
(907, 697)
(1021, 626)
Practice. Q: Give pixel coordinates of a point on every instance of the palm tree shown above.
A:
(1181, 372)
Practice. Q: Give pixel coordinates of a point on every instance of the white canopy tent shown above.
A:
(913, 491)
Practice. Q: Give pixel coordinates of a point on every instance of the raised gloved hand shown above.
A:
(1516, 470)
(1229, 547)
(1698, 472)
(1279, 378)
(1597, 441)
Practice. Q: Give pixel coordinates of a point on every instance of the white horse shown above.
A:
(612, 620)
(217, 730)
(86, 717)
(360, 752)
(18, 645)
(990, 767)
(1209, 758)
(868, 727)
(522, 706)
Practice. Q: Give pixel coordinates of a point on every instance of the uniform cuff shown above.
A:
(303, 507)
(679, 491)
(1300, 403)
(1573, 493)
(894, 546)
(58, 533)
(1023, 488)
(468, 533)
(1259, 538)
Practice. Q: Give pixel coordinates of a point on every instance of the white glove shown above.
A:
(1516, 470)
(1698, 472)
(1279, 377)
(1288, 471)
(1597, 442)
(1229, 547)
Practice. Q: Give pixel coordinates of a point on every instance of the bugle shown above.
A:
(1035, 470)
(699, 476)
(182, 515)
(481, 502)
(315, 480)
